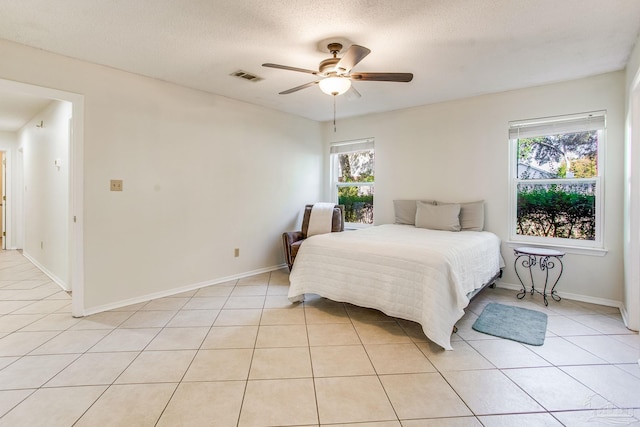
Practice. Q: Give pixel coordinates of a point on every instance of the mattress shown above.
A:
(406, 272)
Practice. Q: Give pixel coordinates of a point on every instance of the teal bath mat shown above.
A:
(513, 323)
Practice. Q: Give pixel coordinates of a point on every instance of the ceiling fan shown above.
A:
(335, 75)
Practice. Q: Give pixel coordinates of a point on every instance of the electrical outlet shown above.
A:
(236, 252)
(116, 185)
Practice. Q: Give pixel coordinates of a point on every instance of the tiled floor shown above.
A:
(239, 354)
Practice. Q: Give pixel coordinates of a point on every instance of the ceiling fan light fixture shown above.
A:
(335, 85)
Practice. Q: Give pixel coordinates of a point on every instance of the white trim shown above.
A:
(356, 225)
(174, 291)
(58, 281)
(76, 212)
(355, 184)
(569, 296)
(625, 317)
(565, 248)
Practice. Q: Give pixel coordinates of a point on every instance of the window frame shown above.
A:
(551, 126)
(345, 147)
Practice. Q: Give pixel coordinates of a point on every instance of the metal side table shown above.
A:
(529, 257)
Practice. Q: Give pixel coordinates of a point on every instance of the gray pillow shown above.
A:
(438, 217)
(405, 211)
(471, 215)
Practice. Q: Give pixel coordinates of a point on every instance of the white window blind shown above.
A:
(351, 146)
(565, 124)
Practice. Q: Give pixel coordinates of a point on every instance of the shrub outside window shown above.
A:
(557, 180)
(353, 180)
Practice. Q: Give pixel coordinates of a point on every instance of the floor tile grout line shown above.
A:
(160, 329)
(253, 352)
(33, 391)
(377, 375)
(90, 406)
(313, 375)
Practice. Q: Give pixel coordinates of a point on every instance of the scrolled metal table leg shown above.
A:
(545, 265)
(523, 292)
(532, 263)
(553, 293)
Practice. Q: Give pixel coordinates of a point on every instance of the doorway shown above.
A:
(72, 237)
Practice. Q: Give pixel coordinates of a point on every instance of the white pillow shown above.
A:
(438, 217)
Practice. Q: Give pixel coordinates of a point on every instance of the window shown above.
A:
(557, 180)
(352, 175)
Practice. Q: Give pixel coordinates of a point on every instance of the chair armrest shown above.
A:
(290, 237)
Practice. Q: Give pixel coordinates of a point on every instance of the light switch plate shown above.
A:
(116, 185)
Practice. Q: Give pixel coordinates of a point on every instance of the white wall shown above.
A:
(46, 190)
(458, 151)
(9, 144)
(631, 309)
(202, 175)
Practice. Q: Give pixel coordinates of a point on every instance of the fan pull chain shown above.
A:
(334, 113)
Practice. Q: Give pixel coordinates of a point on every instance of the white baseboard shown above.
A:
(569, 296)
(174, 291)
(625, 317)
(58, 281)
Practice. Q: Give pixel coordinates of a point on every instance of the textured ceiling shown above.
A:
(455, 48)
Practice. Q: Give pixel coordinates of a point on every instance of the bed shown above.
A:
(423, 275)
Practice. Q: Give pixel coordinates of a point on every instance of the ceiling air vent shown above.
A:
(247, 76)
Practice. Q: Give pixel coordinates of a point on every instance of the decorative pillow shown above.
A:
(438, 217)
(406, 211)
(471, 215)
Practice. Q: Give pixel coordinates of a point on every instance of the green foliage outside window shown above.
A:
(357, 208)
(552, 211)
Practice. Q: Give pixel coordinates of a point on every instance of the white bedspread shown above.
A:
(406, 272)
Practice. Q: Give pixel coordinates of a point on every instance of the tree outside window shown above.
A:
(353, 179)
(355, 185)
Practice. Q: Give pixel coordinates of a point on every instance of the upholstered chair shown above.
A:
(293, 239)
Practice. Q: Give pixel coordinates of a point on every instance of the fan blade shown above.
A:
(383, 77)
(352, 94)
(286, 67)
(351, 58)
(297, 88)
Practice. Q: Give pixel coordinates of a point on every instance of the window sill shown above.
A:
(568, 249)
(355, 226)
